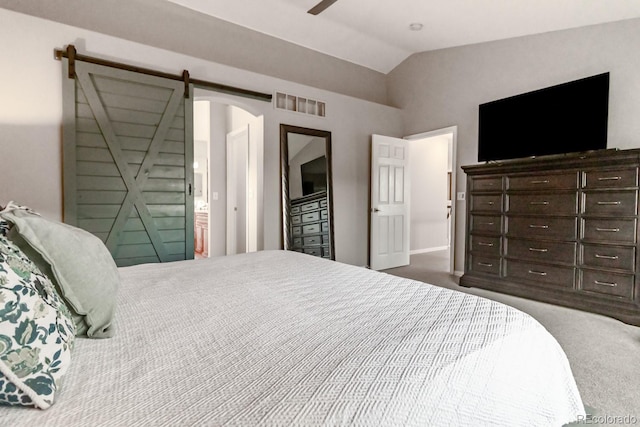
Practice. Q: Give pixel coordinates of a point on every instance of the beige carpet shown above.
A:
(604, 353)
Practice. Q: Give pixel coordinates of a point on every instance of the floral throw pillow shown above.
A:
(36, 332)
(4, 227)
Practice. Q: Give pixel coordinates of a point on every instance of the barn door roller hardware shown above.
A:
(71, 54)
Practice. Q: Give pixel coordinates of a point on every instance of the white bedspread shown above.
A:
(280, 338)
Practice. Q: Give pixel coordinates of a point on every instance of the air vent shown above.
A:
(300, 104)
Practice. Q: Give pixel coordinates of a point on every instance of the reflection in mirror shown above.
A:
(307, 208)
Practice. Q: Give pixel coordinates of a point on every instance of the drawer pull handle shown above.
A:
(538, 226)
(538, 250)
(610, 178)
(613, 285)
(485, 264)
(488, 223)
(607, 256)
(542, 181)
(608, 230)
(490, 203)
(537, 273)
(539, 203)
(485, 244)
(609, 203)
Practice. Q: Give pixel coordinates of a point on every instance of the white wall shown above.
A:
(31, 115)
(428, 160)
(444, 88)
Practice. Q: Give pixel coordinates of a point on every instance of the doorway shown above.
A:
(431, 160)
(233, 200)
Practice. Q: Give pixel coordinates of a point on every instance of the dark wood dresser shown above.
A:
(562, 230)
(310, 225)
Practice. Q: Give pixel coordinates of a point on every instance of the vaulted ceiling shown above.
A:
(377, 33)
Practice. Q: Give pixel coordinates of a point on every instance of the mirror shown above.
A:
(307, 206)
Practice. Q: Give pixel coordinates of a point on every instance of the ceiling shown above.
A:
(376, 34)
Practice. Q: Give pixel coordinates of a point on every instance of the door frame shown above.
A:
(453, 130)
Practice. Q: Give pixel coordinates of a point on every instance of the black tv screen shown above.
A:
(570, 117)
(314, 176)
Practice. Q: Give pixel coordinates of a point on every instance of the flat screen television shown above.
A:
(566, 118)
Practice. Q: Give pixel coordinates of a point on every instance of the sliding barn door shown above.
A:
(128, 155)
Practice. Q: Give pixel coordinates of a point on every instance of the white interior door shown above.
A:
(237, 195)
(390, 184)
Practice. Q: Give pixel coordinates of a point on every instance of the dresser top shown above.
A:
(597, 158)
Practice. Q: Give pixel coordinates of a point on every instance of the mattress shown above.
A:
(282, 338)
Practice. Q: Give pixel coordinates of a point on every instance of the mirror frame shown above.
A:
(285, 205)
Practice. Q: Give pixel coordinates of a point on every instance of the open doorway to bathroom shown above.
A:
(228, 159)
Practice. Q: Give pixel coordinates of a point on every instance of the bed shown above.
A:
(282, 338)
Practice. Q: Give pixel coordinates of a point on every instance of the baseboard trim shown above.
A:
(424, 251)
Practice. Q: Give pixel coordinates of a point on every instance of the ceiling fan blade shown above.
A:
(321, 6)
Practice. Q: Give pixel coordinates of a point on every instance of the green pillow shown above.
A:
(81, 264)
(36, 332)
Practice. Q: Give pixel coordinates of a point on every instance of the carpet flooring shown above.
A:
(604, 353)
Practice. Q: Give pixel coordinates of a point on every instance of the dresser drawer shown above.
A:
(313, 251)
(297, 241)
(311, 228)
(296, 219)
(324, 226)
(484, 264)
(542, 251)
(563, 277)
(619, 285)
(609, 230)
(543, 182)
(487, 184)
(489, 246)
(491, 224)
(615, 178)
(295, 209)
(310, 216)
(313, 240)
(543, 204)
(323, 214)
(609, 256)
(611, 203)
(323, 203)
(309, 206)
(296, 231)
(486, 202)
(540, 227)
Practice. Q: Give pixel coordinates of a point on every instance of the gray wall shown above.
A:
(170, 26)
(444, 88)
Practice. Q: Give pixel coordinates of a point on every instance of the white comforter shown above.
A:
(280, 338)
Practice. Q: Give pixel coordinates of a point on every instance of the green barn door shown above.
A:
(127, 158)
